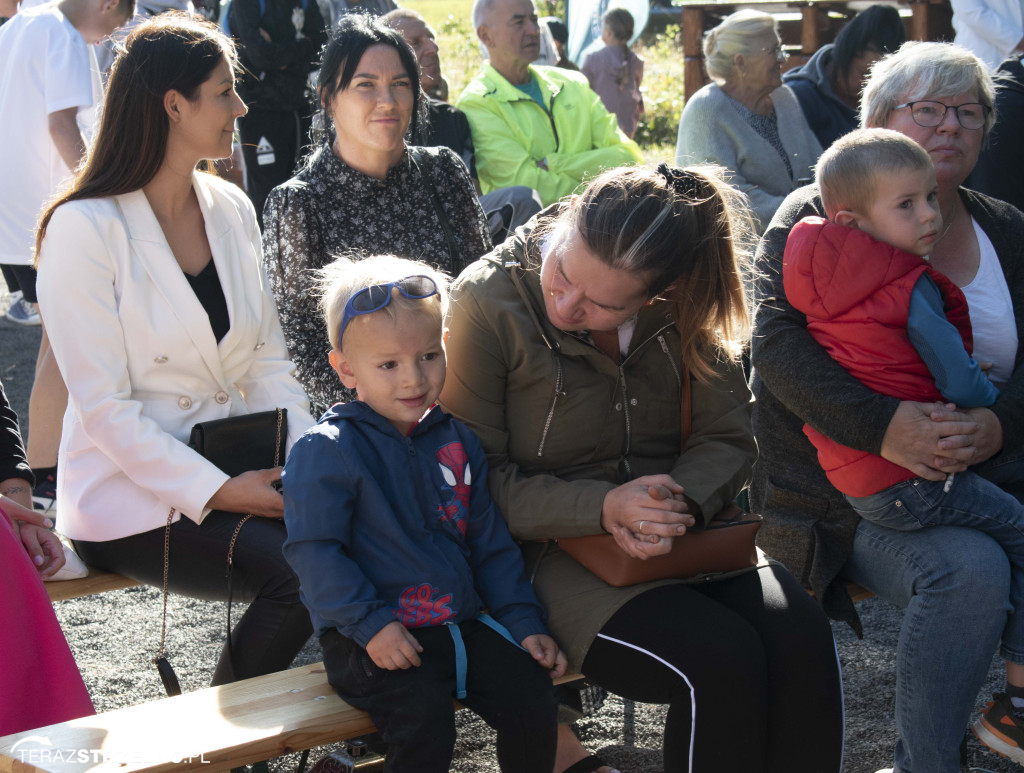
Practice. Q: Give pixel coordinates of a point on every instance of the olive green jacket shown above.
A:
(562, 425)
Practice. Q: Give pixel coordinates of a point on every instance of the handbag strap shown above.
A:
(167, 674)
(415, 155)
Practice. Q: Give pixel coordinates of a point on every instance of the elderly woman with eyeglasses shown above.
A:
(953, 582)
(746, 120)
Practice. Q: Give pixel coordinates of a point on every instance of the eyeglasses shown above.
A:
(929, 113)
(376, 297)
(777, 52)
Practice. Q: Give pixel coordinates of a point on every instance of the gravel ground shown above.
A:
(113, 636)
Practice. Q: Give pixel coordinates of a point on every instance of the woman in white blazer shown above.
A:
(159, 316)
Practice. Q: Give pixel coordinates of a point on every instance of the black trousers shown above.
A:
(413, 710)
(273, 143)
(747, 666)
(276, 624)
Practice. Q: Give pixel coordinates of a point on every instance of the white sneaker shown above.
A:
(22, 312)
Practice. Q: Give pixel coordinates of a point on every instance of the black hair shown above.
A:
(344, 50)
(877, 27)
(558, 29)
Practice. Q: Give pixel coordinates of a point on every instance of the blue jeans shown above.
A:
(954, 584)
(970, 501)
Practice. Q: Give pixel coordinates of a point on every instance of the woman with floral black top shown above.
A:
(364, 191)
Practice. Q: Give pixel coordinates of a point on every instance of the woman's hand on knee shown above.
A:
(645, 514)
(393, 647)
(251, 492)
(930, 439)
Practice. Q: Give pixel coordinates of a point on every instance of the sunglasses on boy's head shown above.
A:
(376, 297)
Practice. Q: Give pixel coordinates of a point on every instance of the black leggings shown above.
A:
(276, 624)
(748, 667)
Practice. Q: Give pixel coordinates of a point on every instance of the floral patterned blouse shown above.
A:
(330, 209)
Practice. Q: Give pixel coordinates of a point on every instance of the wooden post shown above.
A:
(810, 26)
(693, 53)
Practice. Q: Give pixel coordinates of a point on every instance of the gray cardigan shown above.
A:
(712, 129)
(808, 525)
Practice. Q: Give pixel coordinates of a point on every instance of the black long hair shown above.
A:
(877, 27)
(345, 47)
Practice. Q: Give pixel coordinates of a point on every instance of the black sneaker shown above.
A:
(1000, 730)
(44, 495)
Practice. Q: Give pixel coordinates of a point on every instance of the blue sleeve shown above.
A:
(320, 501)
(957, 376)
(497, 563)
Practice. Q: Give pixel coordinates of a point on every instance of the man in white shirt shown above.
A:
(49, 95)
(990, 29)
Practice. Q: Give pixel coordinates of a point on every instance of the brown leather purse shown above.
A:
(725, 545)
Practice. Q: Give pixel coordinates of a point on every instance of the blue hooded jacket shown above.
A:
(827, 115)
(383, 527)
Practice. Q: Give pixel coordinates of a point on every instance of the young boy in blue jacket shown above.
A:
(398, 545)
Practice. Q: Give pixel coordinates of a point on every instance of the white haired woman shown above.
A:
(954, 583)
(746, 120)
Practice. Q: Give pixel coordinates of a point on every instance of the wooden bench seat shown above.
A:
(211, 730)
(98, 581)
(218, 728)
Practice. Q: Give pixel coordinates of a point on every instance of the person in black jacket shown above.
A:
(829, 84)
(279, 44)
(997, 171)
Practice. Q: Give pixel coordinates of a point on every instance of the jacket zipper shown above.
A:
(625, 401)
(671, 359)
(549, 113)
(554, 402)
(629, 427)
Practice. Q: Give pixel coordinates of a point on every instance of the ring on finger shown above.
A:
(640, 527)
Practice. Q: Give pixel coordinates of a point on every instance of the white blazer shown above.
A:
(140, 360)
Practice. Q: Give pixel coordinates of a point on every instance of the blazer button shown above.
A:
(160, 360)
(221, 397)
(259, 346)
(184, 403)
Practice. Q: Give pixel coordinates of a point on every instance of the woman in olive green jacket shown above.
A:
(565, 355)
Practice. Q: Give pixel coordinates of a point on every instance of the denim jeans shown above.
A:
(954, 584)
(970, 501)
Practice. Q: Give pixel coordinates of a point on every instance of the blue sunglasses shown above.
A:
(376, 297)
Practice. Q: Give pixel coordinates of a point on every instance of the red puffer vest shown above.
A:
(855, 292)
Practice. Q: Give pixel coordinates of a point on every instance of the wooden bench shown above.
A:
(214, 729)
(98, 581)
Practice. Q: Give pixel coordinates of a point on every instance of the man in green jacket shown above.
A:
(542, 127)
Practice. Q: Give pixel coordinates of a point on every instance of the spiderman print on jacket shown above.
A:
(454, 465)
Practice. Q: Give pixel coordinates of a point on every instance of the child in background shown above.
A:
(398, 545)
(903, 329)
(615, 72)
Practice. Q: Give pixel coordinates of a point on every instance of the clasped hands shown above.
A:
(646, 514)
(394, 647)
(935, 439)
